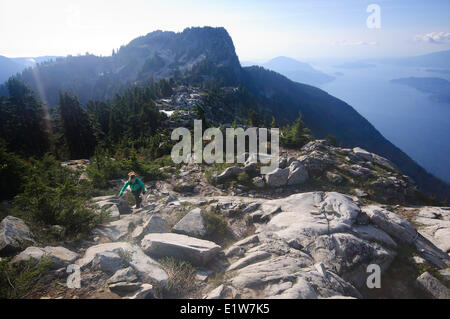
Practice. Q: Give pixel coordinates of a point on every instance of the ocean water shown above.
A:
(405, 116)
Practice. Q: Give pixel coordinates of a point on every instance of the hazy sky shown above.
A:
(260, 29)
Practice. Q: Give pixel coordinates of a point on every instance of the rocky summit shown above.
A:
(271, 236)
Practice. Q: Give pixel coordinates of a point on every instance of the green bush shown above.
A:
(18, 281)
(296, 135)
(244, 178)
(104, 168)
(13, 171)
(216, 226)
(53, 196)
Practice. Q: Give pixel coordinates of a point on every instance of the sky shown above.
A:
(260, 29)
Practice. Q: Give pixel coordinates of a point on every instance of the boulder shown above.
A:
(298, 174)
(156, 224)
(259, 181)
(123, 275)
(58, 256)
(108, 262)
(230, 172)
(391, 223)
(192, 224)
(183, 247)
(279, 177)
(124, 288)
(145, 291)
(118, 229)
(363, 154)
(435, 226)
(432, 286)
(144, 266)
(14, 236)
(114, 206)
(216, 293)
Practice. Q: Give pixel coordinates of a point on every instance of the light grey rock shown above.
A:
(445, 273)
(372, 233)
(230, 172)
(259, 182)
(249, 259)
(202, 275)
(235, 251)
(114, 206)
(124, 288)
(363, 154)
(278, 177)
(391, 223)
(313, 247)
(145, 291)
(360, 193)
(113, 212)
(14, 236)
(246, 241)
(418, 260)
(123, 275)
(256, 216)
(194, 250)
(156, 224)
(435, 226)
(302, 289)
(102, 198)
(138, 233)
(58, 256)
(108, 262)
(431, 253)
(269, 212)
(298, 174)
(433, 286)
(117, 230)
(321, 269)
(192, 224)
(144, 266)
(250, 208)
(216, 293)
(277, 288)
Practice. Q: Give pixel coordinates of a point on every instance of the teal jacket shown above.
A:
(134, 186)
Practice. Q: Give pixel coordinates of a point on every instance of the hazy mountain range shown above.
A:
(295, 70)
(439, 89)
(11, 66)
(206, 56)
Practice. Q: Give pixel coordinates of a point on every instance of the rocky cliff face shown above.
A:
(154, 56)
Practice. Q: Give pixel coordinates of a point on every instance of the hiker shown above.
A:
(136, 186)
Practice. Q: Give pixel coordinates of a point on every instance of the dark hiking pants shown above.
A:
(137, 197)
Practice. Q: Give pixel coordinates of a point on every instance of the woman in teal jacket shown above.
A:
(136, 186)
